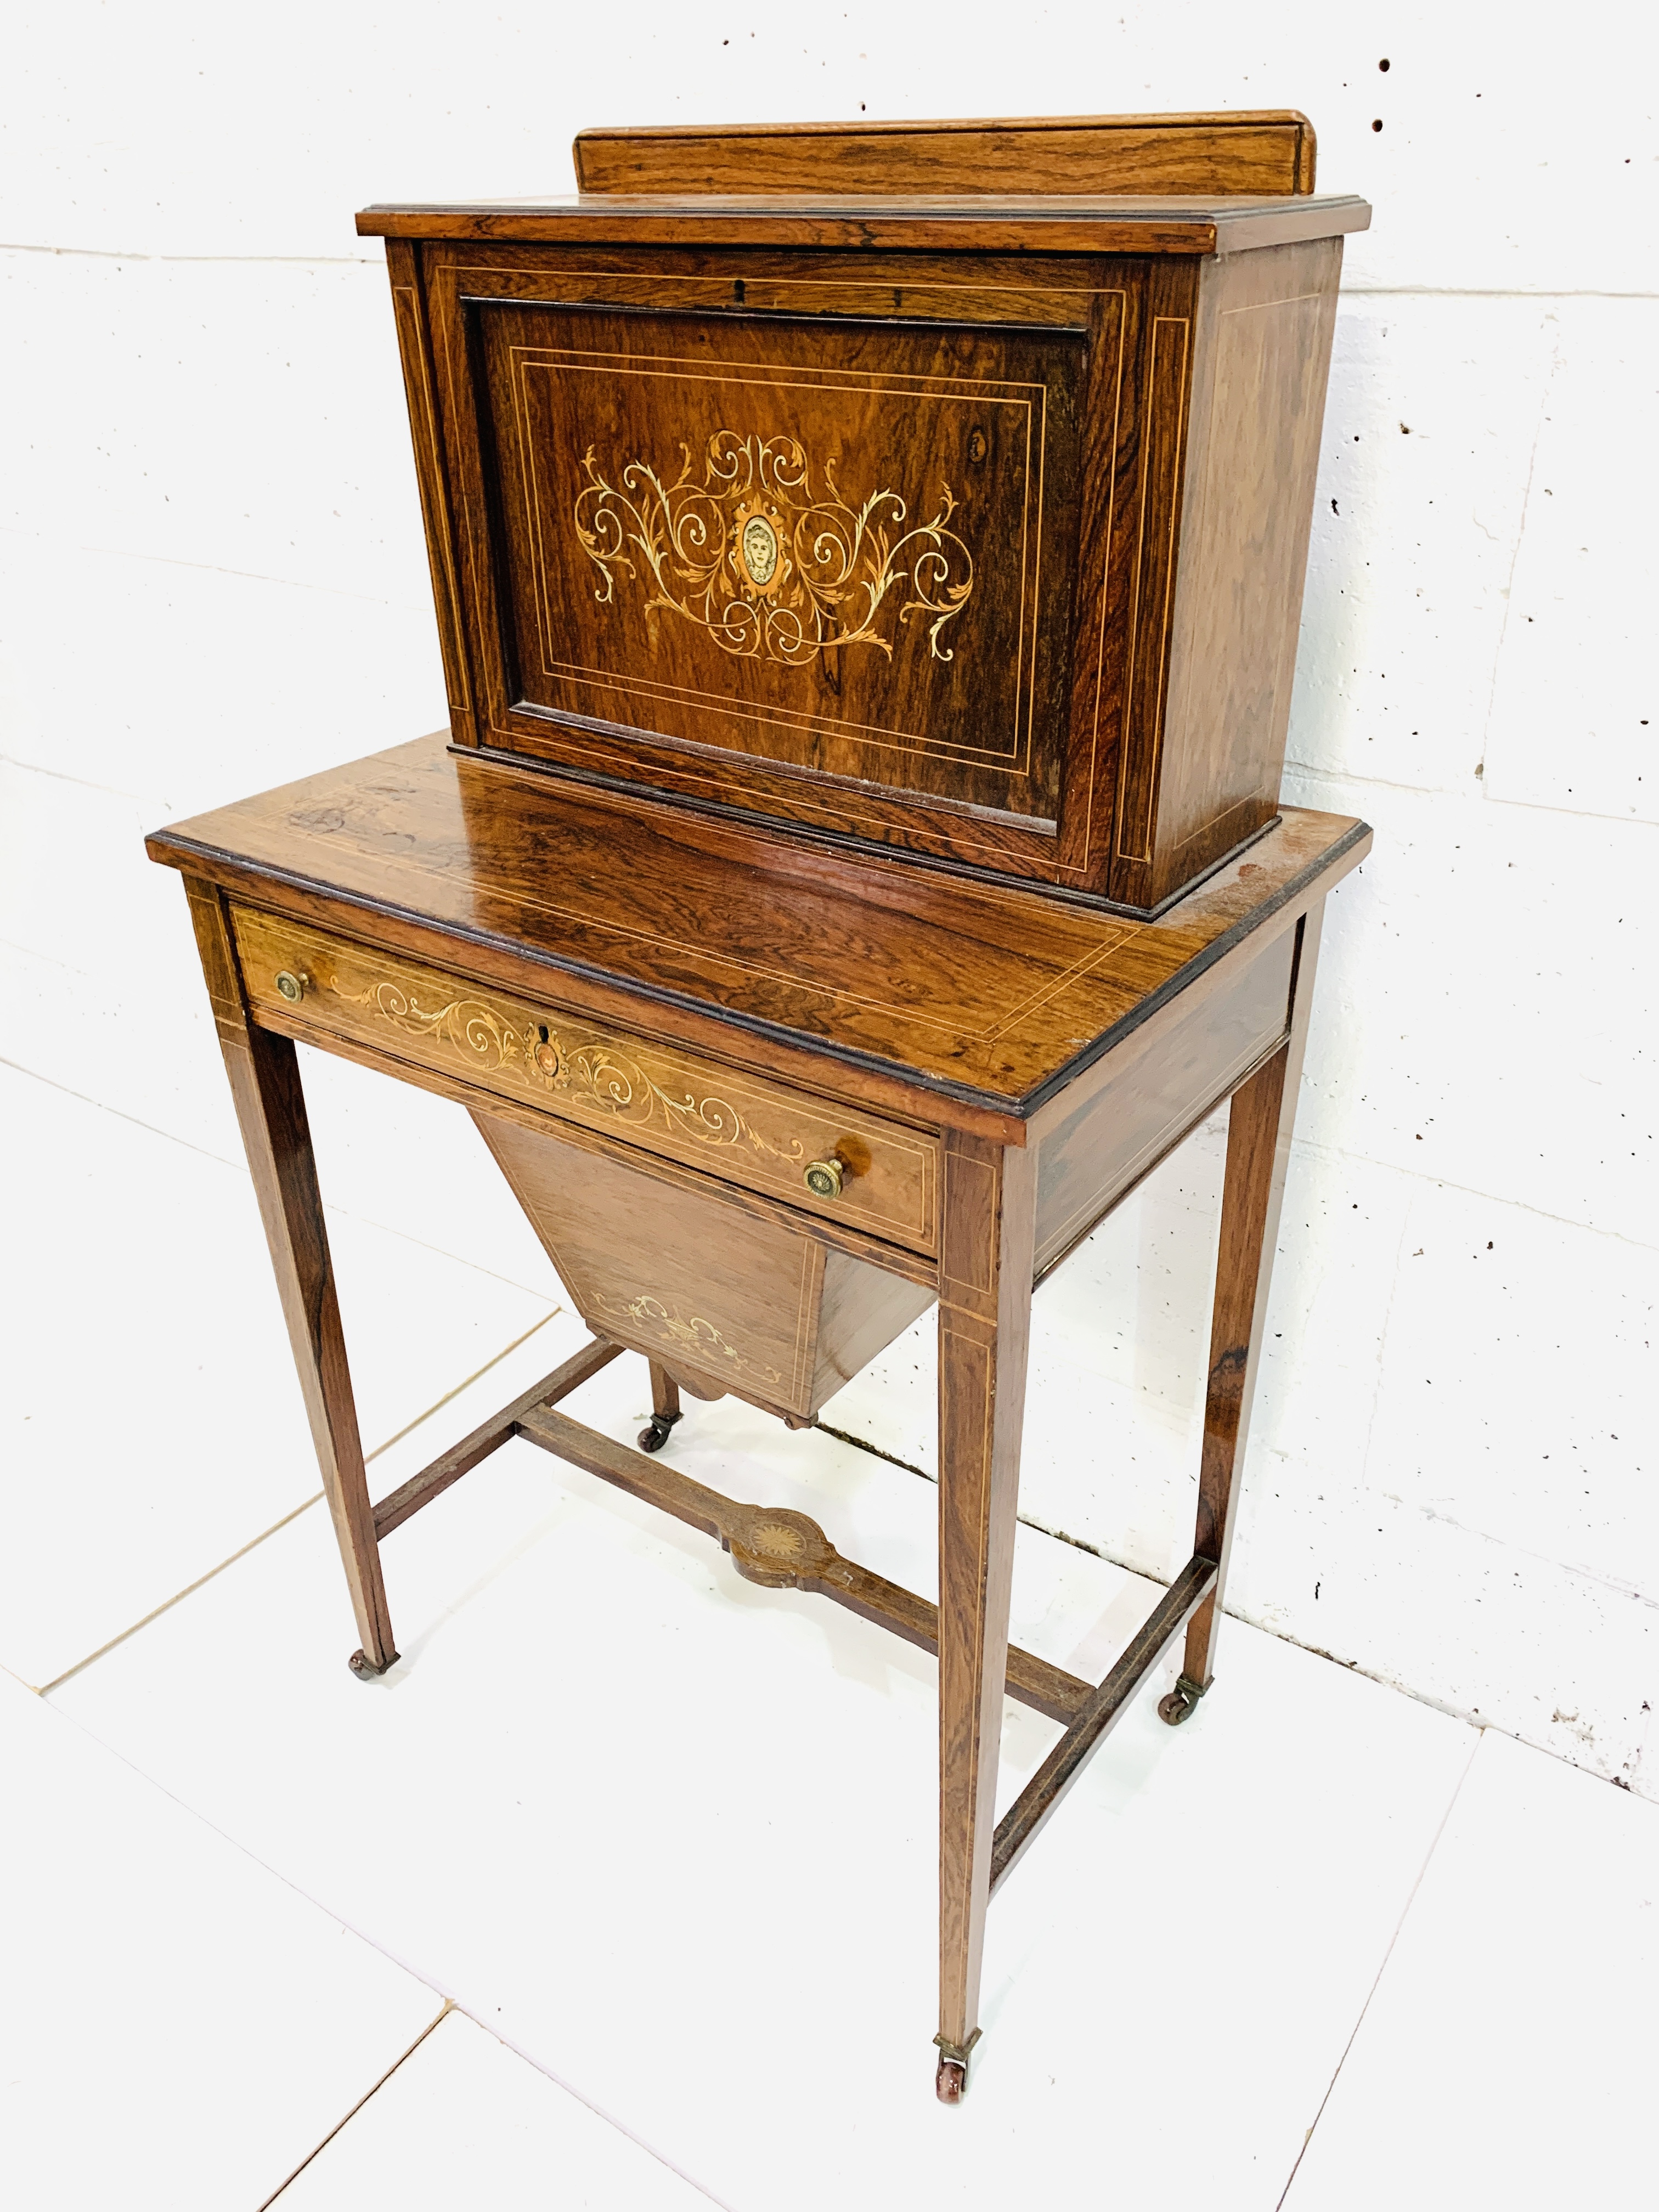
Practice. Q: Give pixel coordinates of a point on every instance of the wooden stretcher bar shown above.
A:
(782, 1549)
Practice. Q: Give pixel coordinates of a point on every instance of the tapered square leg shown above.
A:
(265, 1082)
(1260, 1124)
(984, 1322)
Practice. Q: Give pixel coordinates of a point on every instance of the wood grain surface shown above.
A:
(781, 1549)
(906, 488)
(1259, 1128)
(270, 1111)
(922, 992)
(437, 509)
(1020, 419)
(1031, 1811)
(984, 1335)
(1270, 150)
(1080, 222)
(928, 476)
(1206, 773)
(992, 627)
(1174, 1070)
(442, 1473)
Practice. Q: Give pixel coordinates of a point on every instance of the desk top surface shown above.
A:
(696, 927)
(1069, 223)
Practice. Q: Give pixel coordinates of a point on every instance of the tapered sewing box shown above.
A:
(943, 489)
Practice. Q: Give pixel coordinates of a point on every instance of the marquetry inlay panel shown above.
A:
(827, 544)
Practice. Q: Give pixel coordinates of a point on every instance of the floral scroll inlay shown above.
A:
(585, 1071)
(769, 570)
(699, 1339)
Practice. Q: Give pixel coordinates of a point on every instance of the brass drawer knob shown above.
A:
(823, 1178)
(292, 987)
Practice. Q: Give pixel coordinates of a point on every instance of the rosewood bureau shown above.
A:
(868, 563)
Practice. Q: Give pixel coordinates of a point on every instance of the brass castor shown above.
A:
(361, 1667)
(654, 1435)
(950, 2081)
(1181, 1703)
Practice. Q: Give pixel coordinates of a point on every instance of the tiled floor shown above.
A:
(465, 2121)
(179, 2025)
(663, 1842)
(1508, 2055)
(116, 1490)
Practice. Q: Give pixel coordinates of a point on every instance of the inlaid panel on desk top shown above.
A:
(978, 992)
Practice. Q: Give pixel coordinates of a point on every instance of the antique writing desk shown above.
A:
(825, 899)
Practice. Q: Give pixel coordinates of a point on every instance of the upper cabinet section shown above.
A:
(991, 556)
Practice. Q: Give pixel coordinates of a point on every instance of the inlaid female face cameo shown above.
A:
(759, 546)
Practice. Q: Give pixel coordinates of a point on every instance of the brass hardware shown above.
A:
(1182, 1701)
(823, 1178)
(292, 987)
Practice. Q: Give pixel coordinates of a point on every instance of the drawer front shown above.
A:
(740, 1128)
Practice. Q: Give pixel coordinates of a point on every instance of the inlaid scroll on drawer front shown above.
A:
(819, 1156)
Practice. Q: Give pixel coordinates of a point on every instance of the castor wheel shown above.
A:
(654, 1435)
(952, 2079)
(361, 1667)
(1181, 1703)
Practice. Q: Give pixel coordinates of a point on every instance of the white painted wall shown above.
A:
(211, 578)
